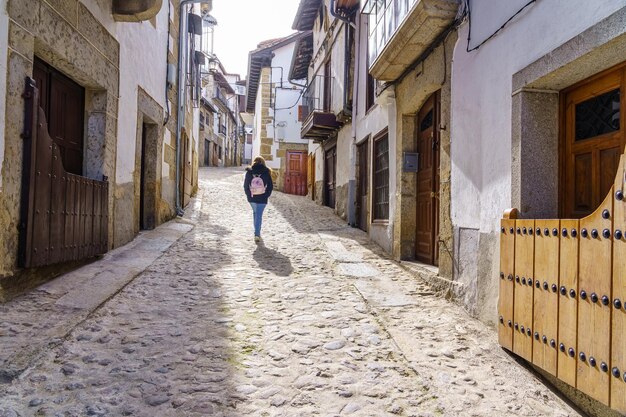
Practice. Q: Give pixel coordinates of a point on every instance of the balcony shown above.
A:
(222, 130)
(402, 30)
(221, 97)
(319, 122)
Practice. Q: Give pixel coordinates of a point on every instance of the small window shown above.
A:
(381, 178)
(598, 115)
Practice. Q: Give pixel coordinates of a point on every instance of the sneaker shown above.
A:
(257, 239)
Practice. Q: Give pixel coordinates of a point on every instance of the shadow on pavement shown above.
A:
(272, 260)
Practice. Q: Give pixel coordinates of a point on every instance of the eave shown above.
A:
(306, 14)
(302, 55)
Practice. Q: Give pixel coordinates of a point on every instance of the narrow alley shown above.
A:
(313, 321)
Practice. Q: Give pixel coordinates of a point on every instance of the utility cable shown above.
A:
(469, 33)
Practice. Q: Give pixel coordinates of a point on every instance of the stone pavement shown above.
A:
(314, 321)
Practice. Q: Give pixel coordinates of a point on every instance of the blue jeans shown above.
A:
(257, 215)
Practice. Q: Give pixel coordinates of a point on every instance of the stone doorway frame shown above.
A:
(90, 58)
(535, 129)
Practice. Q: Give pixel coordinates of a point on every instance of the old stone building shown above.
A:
(112, 158)
(274, 96)
(326, 57)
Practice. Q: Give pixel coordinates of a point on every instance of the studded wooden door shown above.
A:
(594, 138)
(568, 297)
(427, 222)
(295, 174)
(63, 216)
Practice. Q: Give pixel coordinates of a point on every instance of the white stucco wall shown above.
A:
(481, 120)
(4, 35)
(285, 126)
(481, 91)
(139, 43)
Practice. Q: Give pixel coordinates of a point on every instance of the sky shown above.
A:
(242, 24)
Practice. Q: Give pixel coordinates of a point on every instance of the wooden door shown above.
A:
(312, 177)
(295, 174)
(593, 142)
(330, 177)
(427, 222)
(63, 103)
(362, 214)
(142, 179)
(207, 150)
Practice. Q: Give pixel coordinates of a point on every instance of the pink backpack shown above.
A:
(257, 186)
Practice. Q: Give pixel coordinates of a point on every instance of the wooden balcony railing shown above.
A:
(562, 302)
(64, 217)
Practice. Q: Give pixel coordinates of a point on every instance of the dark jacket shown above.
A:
(264, 172)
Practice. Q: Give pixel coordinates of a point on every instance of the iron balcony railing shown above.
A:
(222, 129)
(317, 97)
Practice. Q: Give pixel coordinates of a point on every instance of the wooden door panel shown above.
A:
(618, 351)
(568, 302)
(507, 284)
(545, 303)
(66, 121)
(609, 161)
(594, 318)
(583, 183)
(524, 293)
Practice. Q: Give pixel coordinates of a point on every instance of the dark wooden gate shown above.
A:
(64, 216)
(330, 177)
(295, 175)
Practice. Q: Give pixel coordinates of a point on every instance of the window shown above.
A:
(371, 82)
(592, 141)
(384, 18)
(381, 178)
(327, 87)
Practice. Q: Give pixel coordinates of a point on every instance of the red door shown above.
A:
(295, 175)
(427, 230)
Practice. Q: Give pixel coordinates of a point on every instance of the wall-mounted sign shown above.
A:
(410, 161)
(240, 90)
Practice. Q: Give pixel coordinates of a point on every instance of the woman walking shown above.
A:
(258, 187)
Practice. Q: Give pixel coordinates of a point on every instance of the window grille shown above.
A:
(381, 178)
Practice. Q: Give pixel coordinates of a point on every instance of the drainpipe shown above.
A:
(339, 16)
(181, 97)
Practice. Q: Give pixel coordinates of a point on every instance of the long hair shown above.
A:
(259, 160)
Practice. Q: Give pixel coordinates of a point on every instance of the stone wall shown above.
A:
(265, 89)
(431, 77)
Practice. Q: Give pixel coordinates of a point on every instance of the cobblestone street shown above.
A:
(314, 321)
